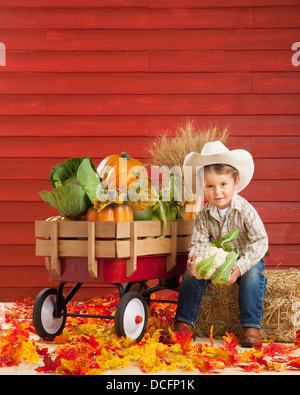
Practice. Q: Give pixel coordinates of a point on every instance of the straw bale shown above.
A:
(281, 308)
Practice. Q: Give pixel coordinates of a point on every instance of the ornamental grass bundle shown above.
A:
(281, 317)
(169, 151)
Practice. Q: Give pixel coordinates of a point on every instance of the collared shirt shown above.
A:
(252, 241)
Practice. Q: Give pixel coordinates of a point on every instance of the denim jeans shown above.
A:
(252, 285)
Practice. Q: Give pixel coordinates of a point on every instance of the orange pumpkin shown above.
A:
(113, 212)
(106, 164)
(119, 171)
(189, 209)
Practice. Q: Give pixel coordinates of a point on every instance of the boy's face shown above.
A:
(219, 188)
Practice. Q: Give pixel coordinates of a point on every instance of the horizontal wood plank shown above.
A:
(68, 126)
(76, 248)
(221, 61)
(280, 169)
(276, 17)
(272, 191)
(276, 83)
(171, 104)
(22, 104)
(31, 40)
(148, 3)
(150, 104)
(162, 61)
(76, 229)
(152, 228)
(283, 233)
(133, 18)
(56, 61)
(19, 255)
(26, 212)
(151, 40)
(75, 3)
(126, 126)
(67, 147)
(137, 147)
(31, 276)
(278, 212)
(276, 147)
(219, 3)
(283, 256)
(124, 83)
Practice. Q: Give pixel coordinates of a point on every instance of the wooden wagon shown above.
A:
(121, 254)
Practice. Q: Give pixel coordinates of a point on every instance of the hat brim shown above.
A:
(240, 159)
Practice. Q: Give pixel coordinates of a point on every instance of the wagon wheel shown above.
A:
(131, 316)
(45, 324)
(135, 286)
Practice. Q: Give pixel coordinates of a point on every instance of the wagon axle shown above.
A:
(50, 309)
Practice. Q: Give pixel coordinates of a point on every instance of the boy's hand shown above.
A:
(235, 274)
(190, 265)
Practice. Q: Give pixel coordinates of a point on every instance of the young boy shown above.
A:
(219, 174)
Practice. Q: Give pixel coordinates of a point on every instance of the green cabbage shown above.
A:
(70, 200)
(75, 183)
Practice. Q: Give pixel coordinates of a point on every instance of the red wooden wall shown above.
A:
(90, 77)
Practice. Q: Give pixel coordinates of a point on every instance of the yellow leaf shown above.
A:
(29, 352)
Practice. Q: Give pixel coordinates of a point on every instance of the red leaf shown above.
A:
(272, 349)
(42, 351)
(91, 341)
(230, 343)
(184, 339)
(261, 361)
(249, 368)
(295, 363)
(49, 364)
(258, 346)
(7, 361)
(69, 354)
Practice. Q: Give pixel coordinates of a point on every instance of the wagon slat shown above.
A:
(96, 240)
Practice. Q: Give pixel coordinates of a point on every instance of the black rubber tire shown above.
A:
(135, 286)
(45, 324)
(130, 306)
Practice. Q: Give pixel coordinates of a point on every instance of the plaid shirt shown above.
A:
(252, 241)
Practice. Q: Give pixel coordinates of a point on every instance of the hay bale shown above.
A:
(281, 308)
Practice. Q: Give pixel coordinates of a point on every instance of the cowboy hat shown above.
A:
(216, 153)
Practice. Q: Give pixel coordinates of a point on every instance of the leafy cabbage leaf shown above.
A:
(89, 179)
(66, 172)
(70, 200)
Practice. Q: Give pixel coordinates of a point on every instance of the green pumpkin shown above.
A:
(144, 215)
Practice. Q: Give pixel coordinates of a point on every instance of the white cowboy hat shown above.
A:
(214, 153)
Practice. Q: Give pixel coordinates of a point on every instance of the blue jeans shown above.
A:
(252, 285)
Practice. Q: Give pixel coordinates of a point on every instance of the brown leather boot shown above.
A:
(250, 337)
(180, 325)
